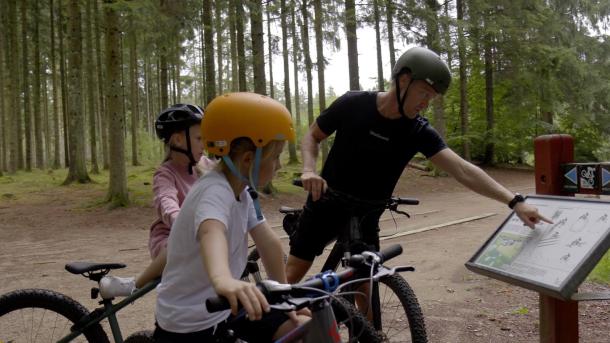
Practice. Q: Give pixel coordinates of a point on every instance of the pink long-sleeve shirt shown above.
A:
(171, 184)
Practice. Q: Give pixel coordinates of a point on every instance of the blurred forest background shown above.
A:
(81, 81)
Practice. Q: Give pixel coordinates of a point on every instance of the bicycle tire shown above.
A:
(66, 312)
(397, 286)
(359, 328)
(144, 336)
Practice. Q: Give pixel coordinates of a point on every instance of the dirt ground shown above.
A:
(38, 236)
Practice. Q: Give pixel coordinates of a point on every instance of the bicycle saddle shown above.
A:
(88, 267)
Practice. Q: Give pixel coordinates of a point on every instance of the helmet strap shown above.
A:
(252, 181)
(401, 100)
(188, 152)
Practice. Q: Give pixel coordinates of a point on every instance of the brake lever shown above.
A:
(394, 208)
(383, 272)
(403, 213)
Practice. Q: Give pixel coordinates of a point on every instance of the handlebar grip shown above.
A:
(217, 304)
(297, 182)
(407, 201)
(390, 252)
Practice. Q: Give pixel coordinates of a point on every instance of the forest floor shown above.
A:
(42, 229)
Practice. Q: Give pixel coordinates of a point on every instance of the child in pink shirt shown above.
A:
(178, 127)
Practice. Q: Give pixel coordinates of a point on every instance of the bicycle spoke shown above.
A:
(34, 325)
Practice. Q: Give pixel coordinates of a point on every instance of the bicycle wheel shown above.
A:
(40, 315)
(255, 271)
(144, 336)
(401, 316)
(353, 326)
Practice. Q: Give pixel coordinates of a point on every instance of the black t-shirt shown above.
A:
(370, 151)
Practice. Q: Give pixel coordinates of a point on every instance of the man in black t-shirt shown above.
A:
(387, 126)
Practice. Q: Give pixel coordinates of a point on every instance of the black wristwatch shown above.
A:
(518, 198)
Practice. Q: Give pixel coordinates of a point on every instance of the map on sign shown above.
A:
(553, 258)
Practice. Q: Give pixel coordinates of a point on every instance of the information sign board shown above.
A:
(554, 258)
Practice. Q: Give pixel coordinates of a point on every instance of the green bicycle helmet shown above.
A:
(424, 64)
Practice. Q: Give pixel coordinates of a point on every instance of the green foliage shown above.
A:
(601, 273)
(35, 186)
(521, 310)
(150, 148)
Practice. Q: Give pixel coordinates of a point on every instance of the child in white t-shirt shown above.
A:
(208, 244)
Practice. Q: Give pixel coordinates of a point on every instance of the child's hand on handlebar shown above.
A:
(244, 293)
(314, 184)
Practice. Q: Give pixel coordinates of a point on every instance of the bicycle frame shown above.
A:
(322, 328)
(109, 311)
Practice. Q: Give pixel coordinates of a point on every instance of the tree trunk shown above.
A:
(64, 84)
(258, 46)
(447, 35)
(163, 79)
(376, 16)
(27, 164)
(292, 150)
(219, 43)
(38, 124)
(123, 96)
(56, 157)
(3, 91)
(177, 79)
(432, 40)
(389, 11)
(46, 117)
(135, 102)
(352, 44)
(320, 63)
(463, 81)
(76, 119)
(117, 191)
(147, 92)
(203, 83)
(233, 46)
(270, 50)
(103, 119)
(295, 67)
(241, 48)
(308, 62)
(489, 100)
(12, 64)
(208, 32)
(91, 98)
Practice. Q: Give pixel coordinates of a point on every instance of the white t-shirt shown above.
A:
(185, 283)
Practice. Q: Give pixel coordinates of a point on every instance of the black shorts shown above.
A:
(250, 331)
(323, 221)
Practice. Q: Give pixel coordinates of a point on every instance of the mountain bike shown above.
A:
(42, 315)
(321, 295)
(395, 308)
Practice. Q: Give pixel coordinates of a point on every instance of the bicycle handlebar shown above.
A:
(392, 201)
(322, 282)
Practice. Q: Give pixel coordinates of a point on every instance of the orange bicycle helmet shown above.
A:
(234, 115)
